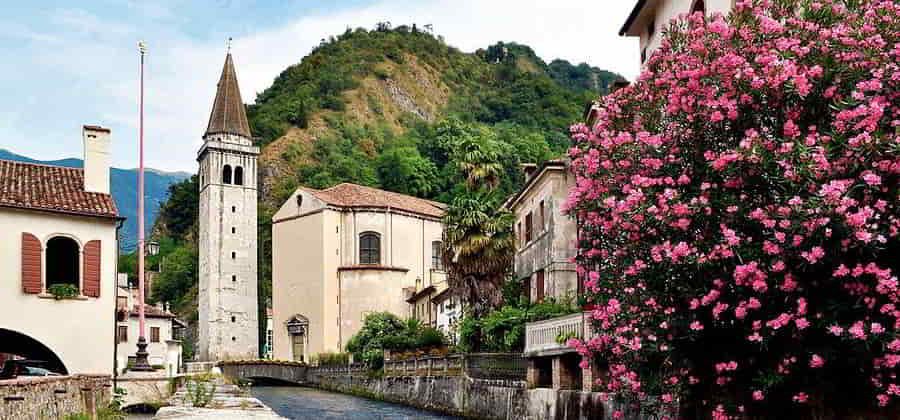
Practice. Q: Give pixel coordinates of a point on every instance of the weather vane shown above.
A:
(228, 45)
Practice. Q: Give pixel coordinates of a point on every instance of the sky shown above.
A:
(71, 63)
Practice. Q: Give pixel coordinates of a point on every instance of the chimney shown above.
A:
(528, 169)
(96, 158)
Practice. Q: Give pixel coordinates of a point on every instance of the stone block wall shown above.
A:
(475, 398)
(51, 397)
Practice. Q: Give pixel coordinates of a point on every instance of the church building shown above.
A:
(228, 327)
(341, 253)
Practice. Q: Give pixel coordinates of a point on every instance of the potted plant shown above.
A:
(63, 291)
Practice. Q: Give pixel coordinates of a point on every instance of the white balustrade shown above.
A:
(542, 336)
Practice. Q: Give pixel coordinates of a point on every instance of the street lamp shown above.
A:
(152, 248)
(140, 361)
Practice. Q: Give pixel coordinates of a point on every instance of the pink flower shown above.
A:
(758, 395)
(871, 178)
(836, 330)
(801, 398)
(696, 326)
(816, 361)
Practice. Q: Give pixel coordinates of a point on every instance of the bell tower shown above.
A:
(228, 325)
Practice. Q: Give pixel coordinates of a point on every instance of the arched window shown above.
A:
(226, 174)
(238, 175)
(61, 263)
(699, 6)
(369, 248)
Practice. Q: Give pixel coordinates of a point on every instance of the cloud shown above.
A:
(92, 62)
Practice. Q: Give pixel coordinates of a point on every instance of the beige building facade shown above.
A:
(546, 236)
(341, 253)
(58, 234)
(649, 18)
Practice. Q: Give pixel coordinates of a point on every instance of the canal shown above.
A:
(308, 403)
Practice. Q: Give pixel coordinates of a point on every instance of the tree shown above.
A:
(402, 169)
(479, 242)
(738, 214)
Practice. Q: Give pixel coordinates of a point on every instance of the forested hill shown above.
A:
(369, 100)
(394, 108)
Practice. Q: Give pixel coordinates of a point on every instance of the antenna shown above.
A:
(142, 47)
(228, 45)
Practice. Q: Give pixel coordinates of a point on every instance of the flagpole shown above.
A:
(141, 363)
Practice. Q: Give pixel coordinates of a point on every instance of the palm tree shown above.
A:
(479, 243)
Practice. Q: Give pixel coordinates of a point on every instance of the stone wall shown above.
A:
(478, 398)
(52, 397)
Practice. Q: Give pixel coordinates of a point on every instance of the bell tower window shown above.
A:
(238, 175)
(226, 174)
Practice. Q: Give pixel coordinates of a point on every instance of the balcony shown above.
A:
(541, 336)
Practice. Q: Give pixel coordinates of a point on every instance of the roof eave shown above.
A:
(635, 12)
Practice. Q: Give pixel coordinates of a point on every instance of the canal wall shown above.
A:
(52, 397)
(475, 398)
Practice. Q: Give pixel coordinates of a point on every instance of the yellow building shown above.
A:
(346, 251)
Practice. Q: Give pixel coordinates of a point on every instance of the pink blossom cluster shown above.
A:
(741, 199)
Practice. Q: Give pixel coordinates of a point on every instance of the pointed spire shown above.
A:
(228, 115)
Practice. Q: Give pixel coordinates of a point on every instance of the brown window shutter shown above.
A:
(31, 264)
(91, 255)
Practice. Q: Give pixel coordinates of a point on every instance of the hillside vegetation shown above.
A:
(394, 108)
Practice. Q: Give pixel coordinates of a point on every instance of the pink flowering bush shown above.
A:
(738, 214)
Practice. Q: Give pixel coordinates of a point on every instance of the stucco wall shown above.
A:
(667, 10)
(157, 351)
(298, 285)
(315, 269)
(68, 327)
(553, 242)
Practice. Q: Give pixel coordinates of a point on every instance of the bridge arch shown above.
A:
(266, 370)
(19, 344)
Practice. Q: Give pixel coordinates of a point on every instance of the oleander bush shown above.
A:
(738, 214)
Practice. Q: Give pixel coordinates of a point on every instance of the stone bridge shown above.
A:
(281, 371)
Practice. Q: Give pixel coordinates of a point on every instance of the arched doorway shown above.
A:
(18, 344)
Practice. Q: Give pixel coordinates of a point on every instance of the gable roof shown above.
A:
(357, 196)
(228, 115)
(538, 172)
(51, 188)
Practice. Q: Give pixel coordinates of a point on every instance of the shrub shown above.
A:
(503, 330)
(63, 291)
(385, 331)
(331, 359)
(738, 213)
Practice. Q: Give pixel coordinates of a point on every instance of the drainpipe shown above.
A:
(119, 223)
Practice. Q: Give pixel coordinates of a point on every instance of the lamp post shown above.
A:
(140, 362)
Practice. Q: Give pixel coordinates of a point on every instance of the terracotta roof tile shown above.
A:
(355, 196)
(151, 311)
(51, 188)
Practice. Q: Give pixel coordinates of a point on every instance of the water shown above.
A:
(308, 403)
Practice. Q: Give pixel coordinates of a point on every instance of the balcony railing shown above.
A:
(542, 336)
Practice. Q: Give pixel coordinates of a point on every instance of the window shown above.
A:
(226, 174)
(542, 223)
(644, 55)
(62, 262)
(233, 319)
(233, 209)
(233, 230)
(529, 227)
(369, 248)
(238, 175)
(436, 262)
(519, 233)
(539, 285)
(651, 28)
(154, 334)
(526, 288)
(699, 6)
(122, 334)
(233, 278)
(233, 255)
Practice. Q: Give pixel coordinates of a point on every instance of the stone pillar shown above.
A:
(532, 374)
(590, 375)
(563, 376)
